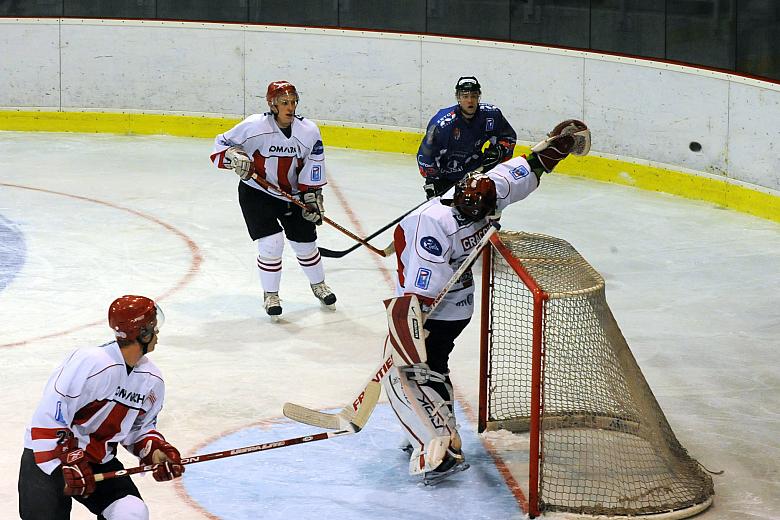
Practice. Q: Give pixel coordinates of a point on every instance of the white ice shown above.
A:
(86, 218)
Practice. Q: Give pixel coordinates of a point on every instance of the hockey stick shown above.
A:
(329, 253)
(338, 420)
(267, 185)
(370, 396)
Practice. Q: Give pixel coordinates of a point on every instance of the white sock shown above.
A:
(269, 261)
(310, 260)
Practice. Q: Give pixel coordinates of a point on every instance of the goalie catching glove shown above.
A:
(315, 208)
(237, 160)
(569, 137)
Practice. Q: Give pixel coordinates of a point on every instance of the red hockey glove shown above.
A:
(77, 472)
(156, 451)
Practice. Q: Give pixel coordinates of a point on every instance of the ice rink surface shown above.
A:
(86, 218)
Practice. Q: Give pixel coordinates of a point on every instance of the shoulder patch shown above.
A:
(316, 173)
(423, 278)
(431, 245)
(518, 172)
(318, 148)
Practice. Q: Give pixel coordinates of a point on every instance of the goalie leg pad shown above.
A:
(425, 415)
(406, 333)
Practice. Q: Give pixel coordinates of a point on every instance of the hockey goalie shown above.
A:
(434, 247)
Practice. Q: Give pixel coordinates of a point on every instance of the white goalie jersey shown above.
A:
(433, 241)
(294, 163)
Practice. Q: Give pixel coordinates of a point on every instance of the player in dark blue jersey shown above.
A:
(456, 135)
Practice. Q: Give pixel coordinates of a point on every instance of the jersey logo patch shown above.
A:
(318, 148)
(431, 245)
(456, 133)
(518, 172)
(489, 124)
(316, 173)
(423, 278)
(58, 414)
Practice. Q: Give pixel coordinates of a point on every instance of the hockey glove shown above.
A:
(314, 206)
(77, 472)
(156, 451)
(570, 136)
(494, 154)
(237, 159)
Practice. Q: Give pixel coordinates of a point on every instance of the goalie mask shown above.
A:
(135, 318)
(475, 197)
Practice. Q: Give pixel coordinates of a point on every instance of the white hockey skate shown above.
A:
(452, 464)
(323, 293)
(272, 303)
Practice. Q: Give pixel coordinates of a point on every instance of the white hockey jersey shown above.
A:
(293, 163)
(434, 240)
(92, 395)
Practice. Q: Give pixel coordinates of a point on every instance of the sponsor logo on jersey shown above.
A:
(316, 173)
(421, 162)
(446, 118)
(431, 245)
(518, 172)
(318, 148)
(489, 124)
(126, 395)
(283, 149)
(423, 278)
(472, 240)
(469, 300)
(456, 133)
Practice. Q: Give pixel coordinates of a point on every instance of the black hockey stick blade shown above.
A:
(329, 253)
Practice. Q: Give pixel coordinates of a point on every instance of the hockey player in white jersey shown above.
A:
(287, 151)
(98, 398)
(430, 244)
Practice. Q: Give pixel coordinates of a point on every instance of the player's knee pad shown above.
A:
(271, 246)
(127, 508)
(425, 415)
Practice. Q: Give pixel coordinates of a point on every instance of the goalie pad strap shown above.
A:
(426, 417)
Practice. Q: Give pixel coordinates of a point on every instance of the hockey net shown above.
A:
(556, 365)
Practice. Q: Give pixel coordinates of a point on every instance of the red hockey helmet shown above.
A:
(280, 88)
(475, 196)
(133, 317)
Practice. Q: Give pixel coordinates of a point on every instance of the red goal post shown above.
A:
(555, 366)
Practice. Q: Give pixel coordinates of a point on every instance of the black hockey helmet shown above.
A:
(475, 196)
(467, 84)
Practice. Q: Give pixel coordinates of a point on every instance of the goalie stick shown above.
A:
(329, 253)
(363, 409)
(339, 420)
(267, 185)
